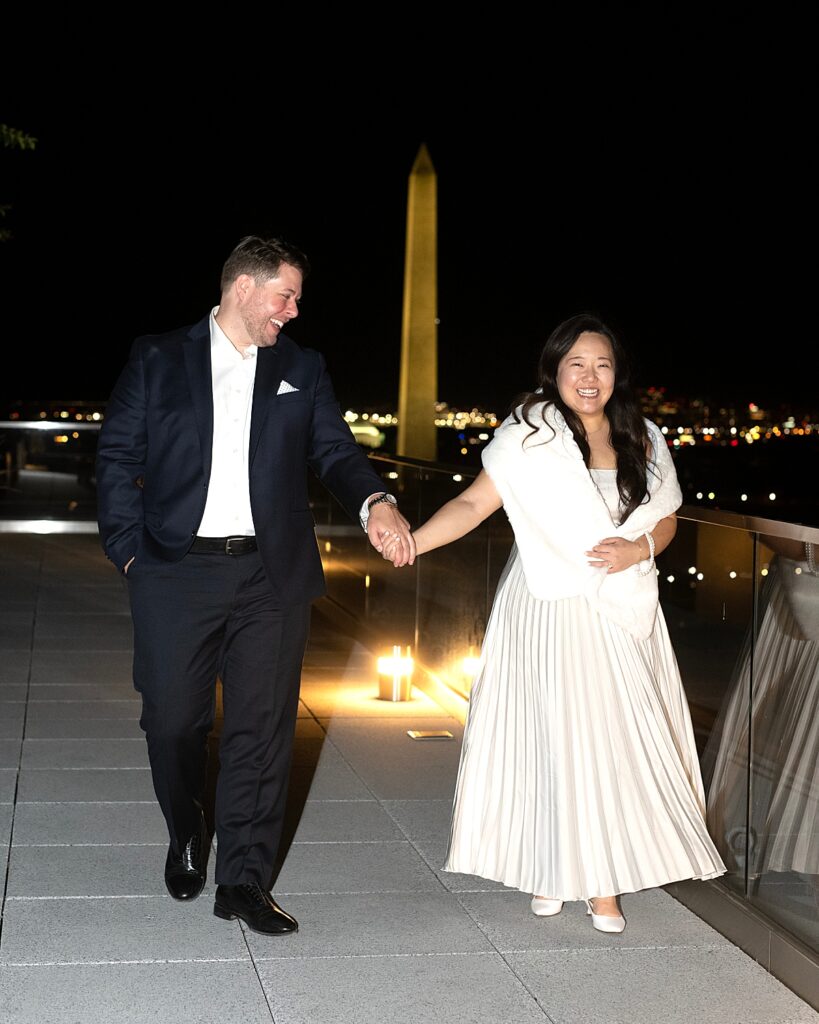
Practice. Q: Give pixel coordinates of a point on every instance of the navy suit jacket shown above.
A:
(154, 456)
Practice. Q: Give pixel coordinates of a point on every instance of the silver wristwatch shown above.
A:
(390, 499)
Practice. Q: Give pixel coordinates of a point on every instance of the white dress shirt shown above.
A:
(227, 509)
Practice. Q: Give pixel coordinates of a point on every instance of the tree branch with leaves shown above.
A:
(12, 138)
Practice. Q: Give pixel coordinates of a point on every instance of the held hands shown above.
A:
(392, 546)
(614, 554)
(390, 534)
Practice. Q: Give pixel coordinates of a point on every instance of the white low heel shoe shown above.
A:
(604, 923)
(545, 907)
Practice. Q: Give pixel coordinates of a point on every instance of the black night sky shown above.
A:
(653, 171)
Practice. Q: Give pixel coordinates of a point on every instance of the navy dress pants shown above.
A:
(209, 616)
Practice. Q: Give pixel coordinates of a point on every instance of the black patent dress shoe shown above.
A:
(185, 875)
(255, 906)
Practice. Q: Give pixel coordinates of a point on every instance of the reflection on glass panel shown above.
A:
(378, 597)
(784, 826)
(392, 606)
(453, 602)
(707, 588)
(47, 470)
(455, 599)
(764, 793)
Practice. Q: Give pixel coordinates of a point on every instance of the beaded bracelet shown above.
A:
(650, 539)
(810, 558)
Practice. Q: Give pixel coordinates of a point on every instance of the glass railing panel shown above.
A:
(784, 747)
(47, 471)
(344, 552)
(439, 607)
(706, 579)
(394, 604)
(378, 598)
(456, 585)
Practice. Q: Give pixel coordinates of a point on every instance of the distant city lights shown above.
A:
(684, 423)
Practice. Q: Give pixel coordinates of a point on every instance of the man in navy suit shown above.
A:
(202, 472)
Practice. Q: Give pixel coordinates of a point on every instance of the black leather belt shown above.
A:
(223, 545)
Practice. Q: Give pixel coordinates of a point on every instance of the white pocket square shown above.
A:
(285, 388)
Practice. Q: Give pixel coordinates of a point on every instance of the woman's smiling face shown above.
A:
(585, 375)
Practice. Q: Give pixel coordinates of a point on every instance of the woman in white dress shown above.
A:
(579, 777)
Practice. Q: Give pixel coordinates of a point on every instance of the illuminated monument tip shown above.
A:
(418, 384)
(423, 162)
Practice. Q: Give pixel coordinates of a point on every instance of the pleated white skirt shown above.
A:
(579, 775)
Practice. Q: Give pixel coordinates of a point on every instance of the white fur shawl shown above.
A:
(557, 514)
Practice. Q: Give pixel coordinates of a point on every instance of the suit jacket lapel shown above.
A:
(196, 348)
(270, 368)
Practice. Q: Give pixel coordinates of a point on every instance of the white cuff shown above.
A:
(364, 514)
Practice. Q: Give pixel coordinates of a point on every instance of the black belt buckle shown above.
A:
(223, 545)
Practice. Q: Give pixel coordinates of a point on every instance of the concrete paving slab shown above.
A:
(14, 691)
(433, 852)
(653, 919)
(109, 666)
(14, 669)
(309, 731)
(16, 629)
(17, 589)
(319, 769)
(374, 924)
(93, 599)
(6, 818)
(324, 821)
(70, 753)
(81, 931)
(712, 986)
(395, 766)
(354, 867)
(102, 691)
(83, 633)
(213, 992)
(331, 651)
(421, 819)
(415, 989)
(86, 729)
(61, 710)
(39, 871)
(10, 752)
(333, 698)
(329, 671)
(67, 621)
(329, 779)
(44, 824)
(8, 785)
(71, 784)
(12, 714)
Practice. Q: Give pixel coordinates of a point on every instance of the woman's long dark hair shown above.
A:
(629, 434)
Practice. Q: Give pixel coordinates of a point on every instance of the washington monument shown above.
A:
(418, 384)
